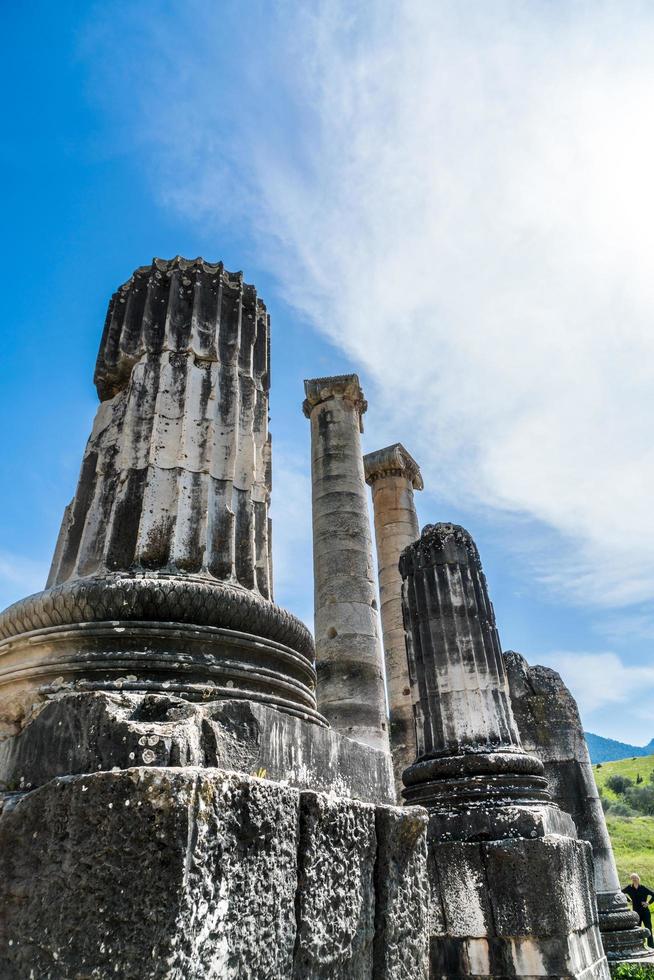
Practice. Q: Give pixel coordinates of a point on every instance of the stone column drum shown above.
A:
(348, 649)
(548, 719)
(511, 887)
(161, 576)
(464, 722)
(393, 475)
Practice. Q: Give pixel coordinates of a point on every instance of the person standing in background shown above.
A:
(640, 899)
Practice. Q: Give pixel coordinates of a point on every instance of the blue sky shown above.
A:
(452, 199)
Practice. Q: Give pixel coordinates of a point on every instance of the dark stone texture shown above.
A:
(149, 874)
(79, 733)
(201, 874)
(163, 598)
(402, 896)
(511, 887)
(336, 898)
(455, 663)
(551, 728)
(469, 749)
(195, 662)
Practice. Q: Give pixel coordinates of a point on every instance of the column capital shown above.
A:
(392, 461)
(346, 386)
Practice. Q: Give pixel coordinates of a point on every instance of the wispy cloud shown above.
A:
(601, 680)
(459, 195)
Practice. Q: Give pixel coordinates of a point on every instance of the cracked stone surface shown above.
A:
(201, 874)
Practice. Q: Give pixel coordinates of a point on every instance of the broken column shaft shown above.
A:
(511, 887)
(393, 475)
(348, 650)
(550, 726)
(161, 576)
(464, 722)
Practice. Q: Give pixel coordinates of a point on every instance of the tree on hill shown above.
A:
(618, 784)
(641, 798)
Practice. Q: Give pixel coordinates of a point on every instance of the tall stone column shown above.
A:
(161, 576)
(393, 475)
(348, 649)
(548, 719)
(512, 889)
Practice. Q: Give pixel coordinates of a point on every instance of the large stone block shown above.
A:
(514, 907)
(336, 897)
(402, 895)
(78, 733)
(149, 873)
(163, 874)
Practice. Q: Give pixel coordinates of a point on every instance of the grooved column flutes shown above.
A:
(466, 736)
(161, 578)
(176, 473)
(393, 475)
(348, 650)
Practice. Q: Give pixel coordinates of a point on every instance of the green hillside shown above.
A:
(632, 837)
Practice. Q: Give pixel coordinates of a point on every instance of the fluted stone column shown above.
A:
(512, 889)
(348, 650)
(466, 736)
(548, 719)
(161, 578)
(393, 475)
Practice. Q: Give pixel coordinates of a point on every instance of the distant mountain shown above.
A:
(608, 750)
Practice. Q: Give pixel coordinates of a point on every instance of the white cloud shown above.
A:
(601, 681)
(461, 196)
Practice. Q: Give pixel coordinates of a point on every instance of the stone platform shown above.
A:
(200, 874)
(100, 731)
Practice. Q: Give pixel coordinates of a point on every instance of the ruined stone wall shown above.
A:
(201, 874)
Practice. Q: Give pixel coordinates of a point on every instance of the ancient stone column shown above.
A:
(161, 575)
(348, 649)
(393, 475)
(550, 727)
(464, 721)
(512, 891)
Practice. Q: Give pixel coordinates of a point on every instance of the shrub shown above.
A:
(618, 784)
(641, 798)
(632, 971)
(619, 808)
(639, 778)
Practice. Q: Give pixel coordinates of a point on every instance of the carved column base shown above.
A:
(194, 639)
(622, 936)
(479, 797)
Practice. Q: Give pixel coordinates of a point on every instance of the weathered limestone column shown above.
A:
(161, 575)
(393, 475)
(348, 649)
(464, 722)
(512, 888)
(550, 727)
